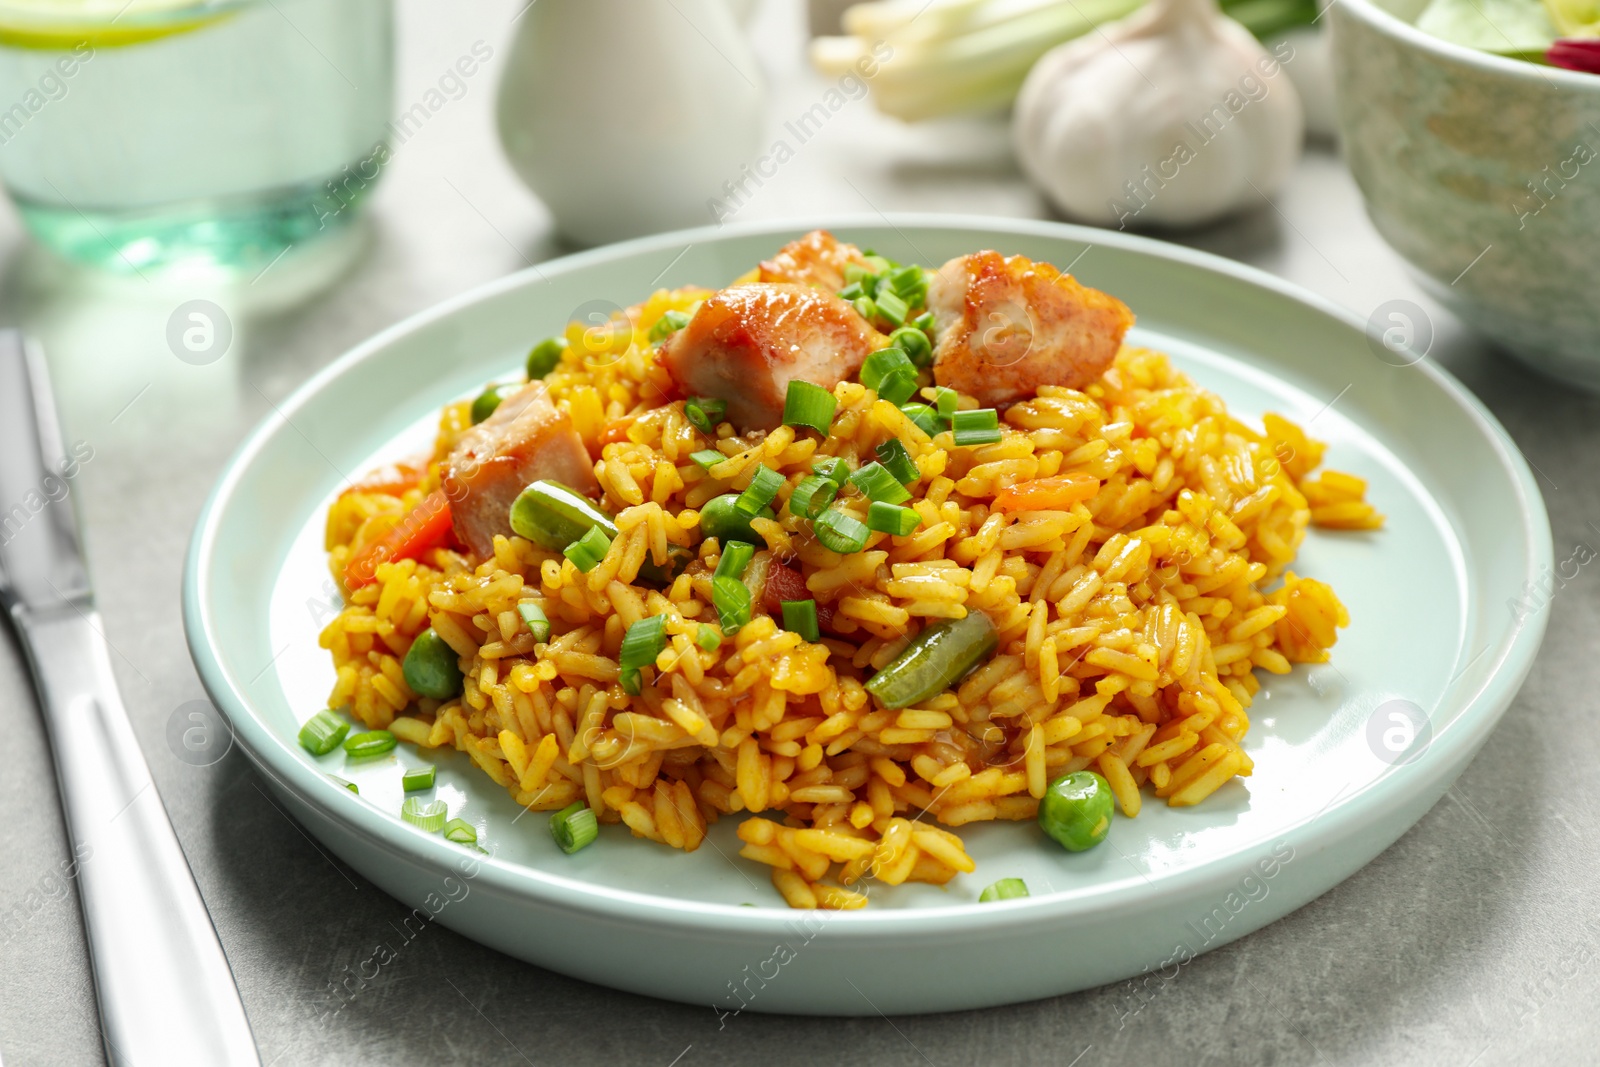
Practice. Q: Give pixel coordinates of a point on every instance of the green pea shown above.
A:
(544, 357)
(489, 400)
(430, 667)
(722, 519)
(1076, 810)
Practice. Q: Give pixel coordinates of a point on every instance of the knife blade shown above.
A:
(165, 992)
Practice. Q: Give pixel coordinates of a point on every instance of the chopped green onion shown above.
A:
(573, 827)
(544, 357)
(322, 733)
(856, 273)
(800, 617)
(812, 496)
(892, 519)
(898, 387)
(763, 487)
(891, 307)
(731, 598)
(736, 557)
(980, 427)
(910, 282)
(834, 468)
(865, 307)
(643, 642)
(914, 343)
(878, 483)
(925, 417)
(924, 322)
(372, 743)
(640, 646)
(705, 412)
(537, 621)
(587, 551)
(891, 373)
(841, 532)
(426, 815)
(883, 363)
(346, 783)
(877, 264)
(417, 778)
(707, 458)
(1004, 889)
(854, 291)
(894, 455)
(668, 324)
(946, 401)
(461, 832)
(810, 405)
(707, 637)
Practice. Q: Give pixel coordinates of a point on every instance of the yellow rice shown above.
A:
(1131, 626)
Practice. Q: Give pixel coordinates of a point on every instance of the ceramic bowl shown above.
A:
(1484, 173)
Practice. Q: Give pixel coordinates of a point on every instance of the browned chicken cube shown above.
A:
(817, 259)
(527, 438)
(748, 342)
(1006, 325)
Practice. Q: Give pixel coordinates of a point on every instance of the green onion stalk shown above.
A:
(962, 56)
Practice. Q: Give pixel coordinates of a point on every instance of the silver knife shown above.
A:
(165, 991)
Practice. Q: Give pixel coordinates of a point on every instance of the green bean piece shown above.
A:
(938, 658)
(722, 519)
(1076, 810)
(553, 516)
(430, 667)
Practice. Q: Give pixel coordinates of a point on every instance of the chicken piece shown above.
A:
(1007, 325)
(747, 342)
(817, 259)
(527, 438)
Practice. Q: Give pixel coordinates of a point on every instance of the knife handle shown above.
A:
(165, 991)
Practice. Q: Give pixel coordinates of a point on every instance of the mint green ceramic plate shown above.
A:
(1430, 624)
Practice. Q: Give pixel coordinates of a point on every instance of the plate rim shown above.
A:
(1448, 752)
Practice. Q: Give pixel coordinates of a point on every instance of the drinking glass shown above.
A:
(138, 135)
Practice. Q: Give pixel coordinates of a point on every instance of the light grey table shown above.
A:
(1474, 939)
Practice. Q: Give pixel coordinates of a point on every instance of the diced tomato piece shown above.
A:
(616, 431)
(428, 525)
(1047, 494)
(394, 479)
(786, 583)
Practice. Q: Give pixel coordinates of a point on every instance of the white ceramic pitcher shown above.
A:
(629, 116)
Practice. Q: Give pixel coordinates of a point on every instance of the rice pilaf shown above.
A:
(1130, 624)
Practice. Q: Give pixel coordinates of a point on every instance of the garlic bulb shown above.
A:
(1173, 116)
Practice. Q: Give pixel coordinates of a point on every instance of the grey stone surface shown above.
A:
(1471, 940)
